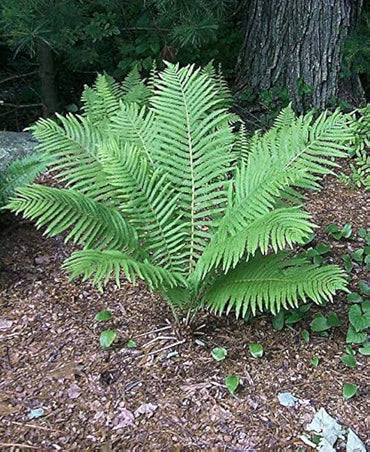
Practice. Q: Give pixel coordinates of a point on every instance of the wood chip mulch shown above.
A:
(168, 393)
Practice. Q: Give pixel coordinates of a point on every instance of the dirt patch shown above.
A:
(167, 393)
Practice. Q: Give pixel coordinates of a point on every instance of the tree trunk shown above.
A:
(296, 44)
(48, 79)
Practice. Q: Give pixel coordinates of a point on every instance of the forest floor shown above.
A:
(168, 393)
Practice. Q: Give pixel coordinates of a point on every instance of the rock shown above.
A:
(15, 145)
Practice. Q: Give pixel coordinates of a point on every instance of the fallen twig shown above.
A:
(154, 331)
(162, 349)
(159, 338)
(17, 445)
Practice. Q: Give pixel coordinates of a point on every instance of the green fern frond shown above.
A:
(92, 224)
(73, 146)
(101, 265)
(149, 201)
(134, 89)
(135, 126)
(285, 118)
(276, 230)
(271, 283)
(102, 101)
(22, 172)
(194, 149)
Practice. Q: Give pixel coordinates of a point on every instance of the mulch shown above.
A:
(168, 393)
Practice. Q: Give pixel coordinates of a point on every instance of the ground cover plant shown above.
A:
(162, 186)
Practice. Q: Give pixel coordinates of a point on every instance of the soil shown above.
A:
(167, 393)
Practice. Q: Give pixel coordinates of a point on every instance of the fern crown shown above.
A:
(162, 182)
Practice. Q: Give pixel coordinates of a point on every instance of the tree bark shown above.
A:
(296, 44)
(48, 79)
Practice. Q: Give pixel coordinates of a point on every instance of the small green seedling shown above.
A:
(219, 353)
(256, 350)
(365, 349)
(103, 316)
(107, 338)
(315, 361)
(349, 359)
(349, 390)
(131, 344)
(232, 382)
(305, 335)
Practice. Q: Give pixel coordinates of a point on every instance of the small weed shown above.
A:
(232, 382)
(219, 353)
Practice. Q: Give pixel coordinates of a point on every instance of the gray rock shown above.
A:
(15, 145)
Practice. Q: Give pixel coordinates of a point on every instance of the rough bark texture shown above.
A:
(48, 79)
(288, 42)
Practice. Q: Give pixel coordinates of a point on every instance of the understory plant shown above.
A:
(359, 175)
(162, 183)
(19, 172)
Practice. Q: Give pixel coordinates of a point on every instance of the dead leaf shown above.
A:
(6, 408)
(67, 371)
(145, 408)
(5, 324)
(124, 418)
(74, 391)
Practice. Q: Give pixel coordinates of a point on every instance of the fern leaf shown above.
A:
(148, 200)
(271, 283)
(22, 172)
(73, 147)
(102, 101)
(135, 126)
(92, 224)
(274, 230)
(101, 265)
(194, 149)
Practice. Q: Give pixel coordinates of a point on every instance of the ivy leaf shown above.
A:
(314, 361)
(354, 297)
(359, 320)
(319, 323)
(321, 248)
(331, 228)
(346, 231)
(278, 321)
(349, 390)
(348, 264)
(103, 316)
(256, 350)
(334, 320)
(365, 306)
(305, 335)
(364, 288)
(362, 233)
(219, 353)
(355, 338)
(349, 360)
(365, 349)
(232, 382)
(294, 318)
(107, 338)
(358, 255)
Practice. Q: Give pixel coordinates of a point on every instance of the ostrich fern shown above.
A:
(160, 186)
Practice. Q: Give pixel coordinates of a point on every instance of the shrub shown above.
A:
(165, 185)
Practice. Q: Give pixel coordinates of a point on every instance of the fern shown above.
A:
(21, 172)
(163, 188)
